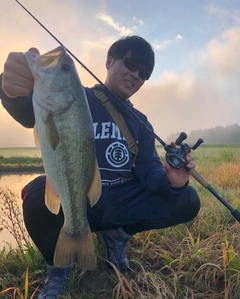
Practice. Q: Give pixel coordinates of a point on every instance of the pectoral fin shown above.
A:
(95, 188)
(52, 200)
(51, 132)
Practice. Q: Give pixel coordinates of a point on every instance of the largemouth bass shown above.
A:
(64, 132)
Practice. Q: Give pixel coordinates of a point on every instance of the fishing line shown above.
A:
(175, 156)
(15, 22)
(114, 99)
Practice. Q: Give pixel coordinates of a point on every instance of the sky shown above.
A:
(196, 80)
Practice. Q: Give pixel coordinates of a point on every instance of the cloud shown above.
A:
(122, 30)
(204, 94)
(225, 16)
(138, 21)
(223, 53)
(158, 45)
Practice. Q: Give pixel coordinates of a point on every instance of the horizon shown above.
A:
(157, 142)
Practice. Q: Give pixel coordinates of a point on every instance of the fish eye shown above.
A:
(66, 67)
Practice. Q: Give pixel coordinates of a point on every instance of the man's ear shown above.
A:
(109, 62)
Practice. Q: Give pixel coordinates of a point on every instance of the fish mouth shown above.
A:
(51, 58)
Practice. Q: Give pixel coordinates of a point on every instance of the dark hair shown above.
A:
(141, 50)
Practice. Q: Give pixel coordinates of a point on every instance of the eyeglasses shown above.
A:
(133, 66)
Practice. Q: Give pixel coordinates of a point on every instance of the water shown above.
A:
(15, 182)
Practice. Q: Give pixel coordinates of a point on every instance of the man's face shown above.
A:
(120, 80)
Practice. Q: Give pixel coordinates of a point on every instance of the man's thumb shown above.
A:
(34, 52)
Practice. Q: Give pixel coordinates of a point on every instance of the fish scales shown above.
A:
(63, 161)
(64, 132)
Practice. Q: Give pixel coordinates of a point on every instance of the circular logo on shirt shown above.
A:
(117, 154)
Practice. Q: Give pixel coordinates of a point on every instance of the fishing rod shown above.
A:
(112, 96)
(175, 156)
(177, 160)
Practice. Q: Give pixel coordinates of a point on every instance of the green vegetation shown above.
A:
(18, 159)
(218, 135)
(197, 260)
(20, 152)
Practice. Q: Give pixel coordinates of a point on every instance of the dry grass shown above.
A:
(198, 260)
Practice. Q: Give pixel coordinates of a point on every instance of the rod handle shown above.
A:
(202, 181)
(197, 176)
(236, 215)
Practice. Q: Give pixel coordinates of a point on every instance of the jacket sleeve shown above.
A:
(20, 108)
(149, 169)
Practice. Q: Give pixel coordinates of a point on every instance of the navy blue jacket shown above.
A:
(113, 155)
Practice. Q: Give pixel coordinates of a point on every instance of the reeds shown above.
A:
(197, 260)
(15, 281)
(11, 218)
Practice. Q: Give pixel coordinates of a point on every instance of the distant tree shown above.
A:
(217, 135)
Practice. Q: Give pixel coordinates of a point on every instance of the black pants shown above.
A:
(134, 209)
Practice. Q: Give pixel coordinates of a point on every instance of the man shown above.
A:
(138, 193)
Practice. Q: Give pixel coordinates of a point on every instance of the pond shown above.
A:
(14, 182)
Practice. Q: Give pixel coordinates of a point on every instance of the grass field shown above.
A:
(8, 152)
(20, 159)
(197, 260)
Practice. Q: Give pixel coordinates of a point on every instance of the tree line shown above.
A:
(217, 135)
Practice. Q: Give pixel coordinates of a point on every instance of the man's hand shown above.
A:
(178, 177)
(17, 79)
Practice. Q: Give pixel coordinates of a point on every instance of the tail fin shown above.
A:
(71, 250)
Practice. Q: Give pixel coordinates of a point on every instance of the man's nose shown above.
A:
(135, 73)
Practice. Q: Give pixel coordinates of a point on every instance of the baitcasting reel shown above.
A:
(176, 156)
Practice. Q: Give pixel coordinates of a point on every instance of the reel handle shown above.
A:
(180, 138)
(200, 141)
